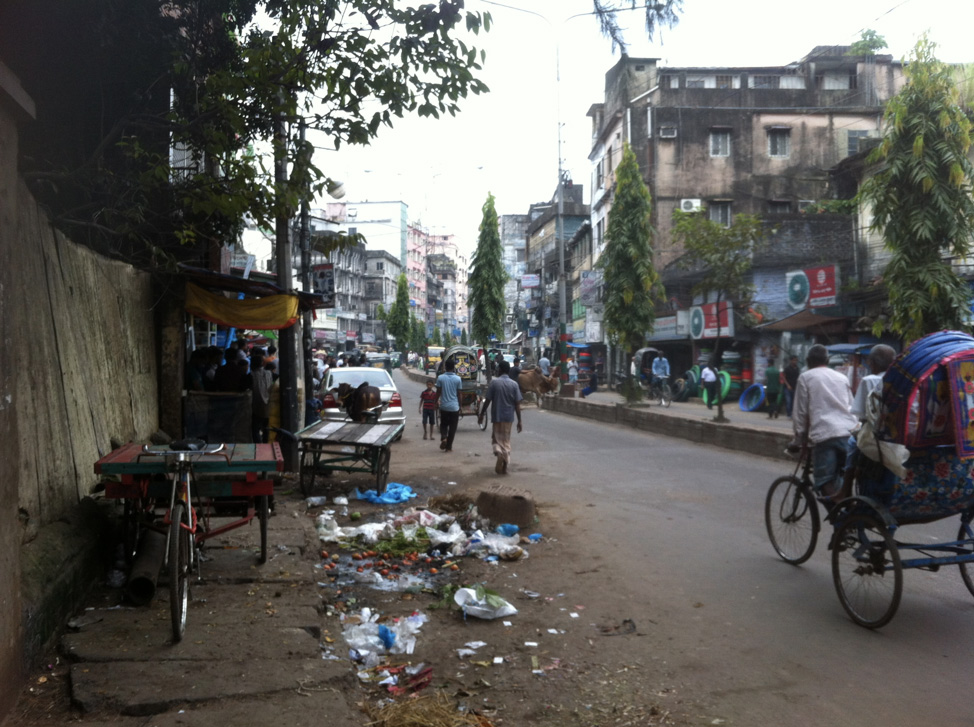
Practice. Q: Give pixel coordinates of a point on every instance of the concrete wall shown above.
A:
(77, 369)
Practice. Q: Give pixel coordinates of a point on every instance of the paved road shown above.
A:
(678, 532)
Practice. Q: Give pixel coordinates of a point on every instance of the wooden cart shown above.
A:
(348, 447)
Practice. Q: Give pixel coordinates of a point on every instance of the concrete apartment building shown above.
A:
(731, 140)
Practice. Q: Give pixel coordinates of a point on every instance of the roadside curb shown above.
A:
(749, 439)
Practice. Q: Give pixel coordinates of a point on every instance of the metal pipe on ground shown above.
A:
(150, 554)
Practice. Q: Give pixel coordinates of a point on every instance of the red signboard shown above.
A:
(821, 286)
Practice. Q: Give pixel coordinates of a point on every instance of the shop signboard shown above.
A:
(351, 335)
(530, 281)
(589, 288)
(703, 320)
(812, 287)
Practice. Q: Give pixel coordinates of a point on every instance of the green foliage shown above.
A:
(463, 337)
(437, 340)
(664, 13)
(487, 278)
(632, 285)
(380, 312)
(869, 42)
(921, 199)
(345, 68)
(832, 207)
(397, 322)
(417, 334)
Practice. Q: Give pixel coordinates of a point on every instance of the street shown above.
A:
(654, 541)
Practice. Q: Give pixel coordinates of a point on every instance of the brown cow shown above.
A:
(532, 380)
(360, 403)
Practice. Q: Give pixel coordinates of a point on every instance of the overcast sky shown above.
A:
(505, 142)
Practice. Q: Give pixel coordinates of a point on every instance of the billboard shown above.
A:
(323, 283)
(589, 288)
(812, 287)
(703, 320)
(530, 281)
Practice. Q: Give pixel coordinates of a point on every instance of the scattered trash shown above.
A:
(628, 626)
(508, 529)
(482, 603)
(317, 501)
(451, 483)
(535, 537)
(430, 710)
(367, 638)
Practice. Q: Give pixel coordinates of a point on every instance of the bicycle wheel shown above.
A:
(665, 395)
(791, 517)
(179, 555)
(263, 513)
(867, 571)
(966, 537)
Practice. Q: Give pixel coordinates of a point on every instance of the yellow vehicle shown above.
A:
(434, 354)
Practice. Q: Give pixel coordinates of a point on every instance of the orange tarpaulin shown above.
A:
(271, 312)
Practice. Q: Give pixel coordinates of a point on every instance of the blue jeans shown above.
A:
(829, 459)
(789, 400)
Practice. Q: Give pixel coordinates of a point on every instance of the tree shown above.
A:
(380, 312)
(724, 256)
(487, 279)
(921, 199)
(658, 14)
(344, 69)
(632, 285)
(463, 337)
(397, 322)
(417, 336)
(437, 340)
(869, 42)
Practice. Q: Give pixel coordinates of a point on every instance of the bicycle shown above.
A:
(791, 513)
(660, 391)
(182, 556)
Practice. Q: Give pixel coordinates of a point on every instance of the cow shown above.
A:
(532, 380)
(360, 403)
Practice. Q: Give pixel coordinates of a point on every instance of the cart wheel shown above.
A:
(382, 470)
(263, 513)
(306, 477)
(482, 422)
(866, 570)
(131, 528)
(965, 538)
(791, 517)
(179, 562)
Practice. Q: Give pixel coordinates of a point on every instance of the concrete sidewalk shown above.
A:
(750, 432)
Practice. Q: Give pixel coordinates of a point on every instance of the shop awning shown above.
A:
(214, 281)
(803, 320)
(516, 340)
(271, 312)
(571, 344)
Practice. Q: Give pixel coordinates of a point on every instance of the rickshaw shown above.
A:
(914, 465)
(467, 367)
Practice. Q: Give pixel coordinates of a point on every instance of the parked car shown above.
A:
(379, 361)
(392, 412)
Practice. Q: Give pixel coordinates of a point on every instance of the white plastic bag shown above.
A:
(486, 606)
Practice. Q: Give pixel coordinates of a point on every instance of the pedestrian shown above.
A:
(772, 389)
(427, 407)
(593, 384)
(661, 369)
(545, 365)
(515, 369)
(506, 398)
(572, 371)
(261, 382)
(447, 398)
(791, 374)
(708, 377)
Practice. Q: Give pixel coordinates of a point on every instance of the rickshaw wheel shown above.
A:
(791, 517)
(179, 565)
(263, 513)
(382, 470)
(965, 535)
(866, 570)
(482, 421)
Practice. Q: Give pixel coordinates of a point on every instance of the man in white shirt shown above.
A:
(545, 365)
(822, 417)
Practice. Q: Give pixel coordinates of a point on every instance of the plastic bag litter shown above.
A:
(328, 530)
(422, 518)
(452, 536)
(367, 639)
(394, 494)
(488, 607)
(504, 547)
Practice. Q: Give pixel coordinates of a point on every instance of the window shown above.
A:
(720, 212)
(779, 207)
(779, 142)
(765, 81)
(725, 82)
(671, 81)
(378, 267)
(720, 142)
(352, 230)
(696, 83)
(854, 144)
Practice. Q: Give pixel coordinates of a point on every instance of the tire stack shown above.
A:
(732, 365)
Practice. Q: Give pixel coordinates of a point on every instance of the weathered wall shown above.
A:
(79, 367)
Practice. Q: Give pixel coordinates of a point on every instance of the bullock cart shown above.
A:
(347, 447)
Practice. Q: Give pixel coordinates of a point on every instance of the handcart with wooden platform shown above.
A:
(326, 446)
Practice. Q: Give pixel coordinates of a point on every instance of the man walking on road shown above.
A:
(791, 374)
(506, 396)
(447, 397)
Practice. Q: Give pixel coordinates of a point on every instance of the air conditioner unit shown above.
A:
(690, 205)
(667, 132)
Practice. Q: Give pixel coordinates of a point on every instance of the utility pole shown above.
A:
(307, 338)
(288, 379)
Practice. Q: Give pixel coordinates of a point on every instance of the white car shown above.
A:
(332, 410)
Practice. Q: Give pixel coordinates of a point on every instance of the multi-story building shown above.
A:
(443, 270)
(513, 248)
(384, 226)
(381, 281)
(730, 140)
(416, 246)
